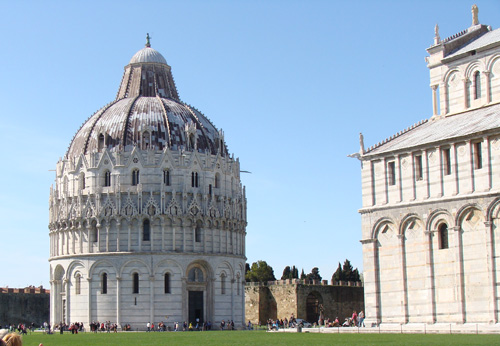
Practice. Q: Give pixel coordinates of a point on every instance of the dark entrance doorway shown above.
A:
(196, 307)
(313, 306)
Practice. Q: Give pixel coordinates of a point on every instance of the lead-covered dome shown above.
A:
(147, 113)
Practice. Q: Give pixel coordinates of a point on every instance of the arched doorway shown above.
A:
(313, 302)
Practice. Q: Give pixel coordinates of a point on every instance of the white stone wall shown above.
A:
(97, 229)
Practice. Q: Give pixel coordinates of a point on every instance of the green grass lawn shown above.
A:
(252, 338)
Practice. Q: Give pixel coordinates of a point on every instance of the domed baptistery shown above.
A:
(147, 214)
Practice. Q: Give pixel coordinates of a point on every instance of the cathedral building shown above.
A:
(147, 213)
(431, 195)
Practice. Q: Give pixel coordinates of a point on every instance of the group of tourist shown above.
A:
(107, 327)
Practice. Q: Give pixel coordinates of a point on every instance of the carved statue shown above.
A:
(475, 11)
(148, 44)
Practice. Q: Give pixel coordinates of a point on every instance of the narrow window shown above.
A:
(104, 283)
(146, 230)
(223, 284)
(443, 236)
(146, 142)
(107, 178)
(136, 283)
(100, 142)
(391, 170)
(78, 284)
(194, 179)
(419, 171)
(477, 85)
(167, 283)
(238, 286)
(209, 189)
(135, 177)
(197, 234)
(478, 157)
(93, 233)
(217, 180)
(166, 177)
(447, 161)
(82, 181)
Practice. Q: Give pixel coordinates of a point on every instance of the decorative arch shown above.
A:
(438, 216)
(493, 210)
(134, 268)
(464, 212)
(378, 225)
(104, 263)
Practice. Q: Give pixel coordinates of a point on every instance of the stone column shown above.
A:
(107, 236)
(118, 304)
(81, 239)
(183, 238)
(129, 238)
(89, 242)
(434, 99)
(118, 229)
(487, 77)
(445, 98)
(98, 226)
(173, 237)
(404, 283)
(89, 292)
(232, 298)
(429, 282)
(204, 239)
(162, 225)
(53, 306)
(73, 240)
(67, 292)
(139, 234)
(454, 165)
(490, 260)
(151, 297)
(193, 240)
(466, 92)
(372, 281)
(487, 150)
(459, 270)
(472, 178)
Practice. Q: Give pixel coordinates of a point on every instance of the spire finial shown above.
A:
(436, 34)
(148, 44)
(475, 11)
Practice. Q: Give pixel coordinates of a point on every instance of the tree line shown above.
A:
(260, 271)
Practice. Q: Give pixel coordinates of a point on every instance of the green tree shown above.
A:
(338, 275)
(347, 270)
(295, 273)
(302, 274)
(286, 273)
(260, 271)
(314, 275)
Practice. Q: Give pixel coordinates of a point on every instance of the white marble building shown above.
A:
(431, 195)
(147, 213)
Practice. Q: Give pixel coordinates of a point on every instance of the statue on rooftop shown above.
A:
(436, 34)
(148, 44)
(475, 11)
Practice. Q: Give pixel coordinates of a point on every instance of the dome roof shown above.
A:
(147, 113)
(148, 54)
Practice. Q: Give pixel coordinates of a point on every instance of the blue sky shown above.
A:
(291, 83)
